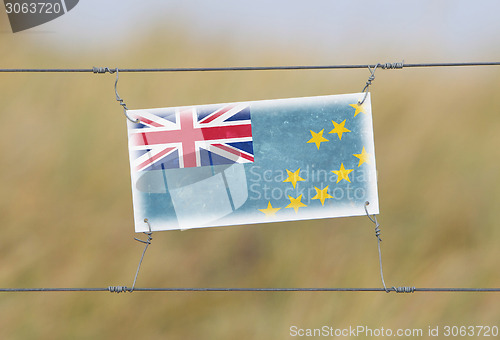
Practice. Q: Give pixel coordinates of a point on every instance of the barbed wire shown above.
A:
(397, 65)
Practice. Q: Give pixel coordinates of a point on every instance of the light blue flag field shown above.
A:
(252, 162)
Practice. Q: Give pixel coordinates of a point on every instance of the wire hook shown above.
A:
(147, 242)
(118, 99)
(377, 234)
(121, 289)
(368, 82)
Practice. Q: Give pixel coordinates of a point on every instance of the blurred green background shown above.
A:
(66, 207)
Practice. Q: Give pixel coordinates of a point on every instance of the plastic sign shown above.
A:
(253, 162)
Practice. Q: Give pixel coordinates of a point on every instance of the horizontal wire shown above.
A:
(249, 68)
(125, 289)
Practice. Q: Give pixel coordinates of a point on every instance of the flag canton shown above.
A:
(191, 137)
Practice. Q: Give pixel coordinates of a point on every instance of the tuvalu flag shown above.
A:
(253, 162)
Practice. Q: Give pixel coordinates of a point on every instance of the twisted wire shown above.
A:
(404, 289)
(102, 70)
(117, 289)
(118, 99)
(377, 234)
(392, 66)
(147, 242)
(369, 82)
(379, 239)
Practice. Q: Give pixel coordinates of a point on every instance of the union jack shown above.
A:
(191, 137)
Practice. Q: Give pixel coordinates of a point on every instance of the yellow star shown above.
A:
(317, 138)
(342, 173)
(295, 203)
(364, 157)
(322, 194)
(293, 177)
(339, 129)
(270, 211)
(359, 108)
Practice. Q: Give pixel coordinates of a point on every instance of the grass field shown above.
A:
(66, 208)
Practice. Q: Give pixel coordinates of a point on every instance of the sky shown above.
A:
(447, 30)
